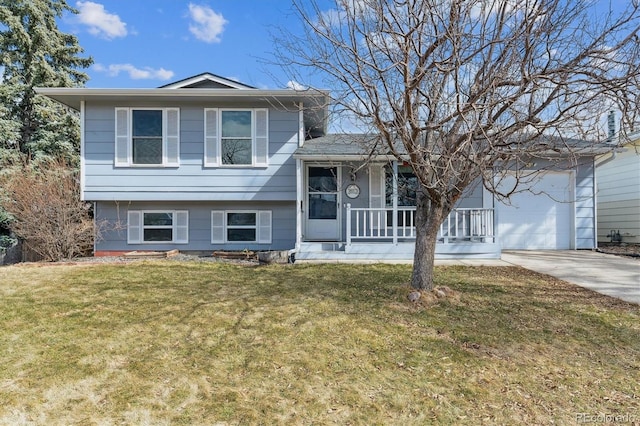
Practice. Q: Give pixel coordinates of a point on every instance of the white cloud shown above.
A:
(145, 73)
(207, 25)
(292, 84)
(100, 22)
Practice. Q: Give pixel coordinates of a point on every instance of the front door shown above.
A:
(323, 204)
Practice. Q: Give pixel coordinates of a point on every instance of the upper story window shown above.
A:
(236, 137)
(147, 137)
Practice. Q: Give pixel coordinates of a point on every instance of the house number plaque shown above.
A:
(352, 191)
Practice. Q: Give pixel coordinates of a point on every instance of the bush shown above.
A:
(6, 242)
(44, 202)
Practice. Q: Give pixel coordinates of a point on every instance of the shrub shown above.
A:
(6, 242)
(44, 200)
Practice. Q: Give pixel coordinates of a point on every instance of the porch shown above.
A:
(388, 234)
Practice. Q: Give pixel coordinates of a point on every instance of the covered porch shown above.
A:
(362, 207)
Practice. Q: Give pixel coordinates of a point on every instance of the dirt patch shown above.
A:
(620, 249)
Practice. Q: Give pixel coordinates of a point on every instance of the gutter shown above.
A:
(614, 154)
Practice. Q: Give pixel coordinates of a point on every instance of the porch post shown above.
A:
(348, 224)
(299, 201)
(394, 216)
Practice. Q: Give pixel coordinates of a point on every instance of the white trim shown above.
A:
(300, 196)
(170, 136)
(339, 207)
(301, 132)
(217, 226)
(264, 231)
(134, 232)
(83, 162)
(71, 96)
(211, 137)
(377, 180)
(260, 135)
(207, 77)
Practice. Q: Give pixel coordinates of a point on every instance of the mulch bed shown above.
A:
(620, 249)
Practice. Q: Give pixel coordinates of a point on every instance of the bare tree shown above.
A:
(463, 88)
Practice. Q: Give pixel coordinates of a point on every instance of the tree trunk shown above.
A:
(429, 216)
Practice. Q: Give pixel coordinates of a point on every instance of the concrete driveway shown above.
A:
(607, 274)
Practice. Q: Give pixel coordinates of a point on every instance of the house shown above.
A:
(208, 163)
(618, 206)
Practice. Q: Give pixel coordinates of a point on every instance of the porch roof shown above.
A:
(358, 146)
(344, 146)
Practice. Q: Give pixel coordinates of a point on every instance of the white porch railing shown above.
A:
(367, 224)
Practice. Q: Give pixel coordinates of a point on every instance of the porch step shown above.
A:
(395, 253)
(321, 246)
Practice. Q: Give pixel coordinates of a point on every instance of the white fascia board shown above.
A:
(72, 96)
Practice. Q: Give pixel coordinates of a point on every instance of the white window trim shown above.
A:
(166, 162)
(216, 159)
(175, 228)
(259, 226)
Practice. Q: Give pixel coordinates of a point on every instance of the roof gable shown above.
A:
(206, 81)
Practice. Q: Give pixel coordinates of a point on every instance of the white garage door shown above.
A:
(538, 219)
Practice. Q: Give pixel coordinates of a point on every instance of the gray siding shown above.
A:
(115, 213)
(191, 181)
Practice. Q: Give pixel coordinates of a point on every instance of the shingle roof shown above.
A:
(364, 145)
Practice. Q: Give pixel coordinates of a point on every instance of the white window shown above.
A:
(236, 137)
(241, 226)
(154, 226)
(147, 137)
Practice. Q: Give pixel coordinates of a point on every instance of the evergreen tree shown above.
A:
(35, 53)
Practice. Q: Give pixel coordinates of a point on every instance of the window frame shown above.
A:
(213, 140)
(161, 139)
(252, 138)
(220, 226)
(228, 227)
(124, 137)
(141, 227)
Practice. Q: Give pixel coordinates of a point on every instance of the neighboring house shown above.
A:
(619, 194)
(208, 164)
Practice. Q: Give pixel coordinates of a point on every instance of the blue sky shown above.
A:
(149, 43)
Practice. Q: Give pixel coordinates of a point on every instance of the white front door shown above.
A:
(322, 203)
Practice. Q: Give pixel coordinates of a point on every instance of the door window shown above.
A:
(323, 193)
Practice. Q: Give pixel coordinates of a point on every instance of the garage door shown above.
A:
(538, 219)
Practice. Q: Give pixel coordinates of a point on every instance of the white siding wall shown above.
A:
(619, 196)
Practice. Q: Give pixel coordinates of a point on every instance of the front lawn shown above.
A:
(164, 342)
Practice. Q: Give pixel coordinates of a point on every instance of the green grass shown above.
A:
(200, 343)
